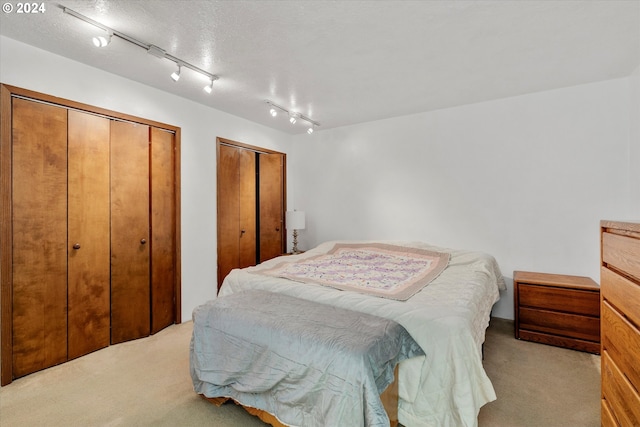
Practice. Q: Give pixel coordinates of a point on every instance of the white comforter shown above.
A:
(447, 318)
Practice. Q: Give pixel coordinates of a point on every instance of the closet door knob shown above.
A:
(143, 241)
(277, 228)
(76, 246)
(243, 231)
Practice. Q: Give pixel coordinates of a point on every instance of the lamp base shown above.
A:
(295, 243)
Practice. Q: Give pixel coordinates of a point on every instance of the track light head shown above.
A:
(175, 76)
(273, 112)
(310, 130)
(208, 88)
(102, 41)
(293, 117)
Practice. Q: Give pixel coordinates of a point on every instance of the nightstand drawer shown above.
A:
(560, 299)
(563, 324)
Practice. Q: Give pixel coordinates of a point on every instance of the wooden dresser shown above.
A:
(557, 309)
(620, 282)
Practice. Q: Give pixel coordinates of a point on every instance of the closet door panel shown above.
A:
(130, 291)
(247, 212)
(88, 234)
(39, 241)
(163, 244)
(228, 210)
(271, 191)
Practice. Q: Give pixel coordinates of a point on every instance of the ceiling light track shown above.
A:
(152, 49)
(293, 115)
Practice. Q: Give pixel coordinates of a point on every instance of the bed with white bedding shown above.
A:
(447, 318)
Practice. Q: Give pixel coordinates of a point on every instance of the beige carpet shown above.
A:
(146, 382)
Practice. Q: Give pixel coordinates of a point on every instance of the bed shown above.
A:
(446, 316)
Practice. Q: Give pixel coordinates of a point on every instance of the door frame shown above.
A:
(7, 92)
(260, 150)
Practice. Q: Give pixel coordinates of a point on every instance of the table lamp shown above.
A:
(295, 222)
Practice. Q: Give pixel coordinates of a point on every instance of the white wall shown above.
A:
(634, 139)
(526, 179)
(22, 65)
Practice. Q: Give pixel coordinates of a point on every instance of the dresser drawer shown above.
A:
(557, 323)
(607, 419)
(619, 394)
(560, 299)
(623, 346)
(622, 293)
(622, 252)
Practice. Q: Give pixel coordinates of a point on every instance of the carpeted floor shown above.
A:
(146, 382)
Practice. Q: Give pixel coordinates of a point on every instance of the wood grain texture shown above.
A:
(6, 237)
(271, 196)
(560, 299)
(130, 268)
(89, 276)
(163, 226)
(622, 342)
(7, 96)
(559, 310)
(228, 210)
(39, 236)
(248, 202)
(557, 323)
(622, 253)
(620, 272)
(622, 397)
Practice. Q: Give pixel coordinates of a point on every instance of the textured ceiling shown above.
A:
(346, 62)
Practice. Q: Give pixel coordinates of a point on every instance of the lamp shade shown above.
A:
(295, 220)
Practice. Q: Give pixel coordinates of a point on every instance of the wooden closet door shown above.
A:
(271, 195)
(130, 296)
(248, 236)
(236, 209)
(163, 237)
(88, 234)
(39, 241)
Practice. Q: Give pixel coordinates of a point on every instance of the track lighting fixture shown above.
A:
(208, 88)
(103, 41)
(175, 76)
(294, 116)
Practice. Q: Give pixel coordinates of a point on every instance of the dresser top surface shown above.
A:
(621, 225)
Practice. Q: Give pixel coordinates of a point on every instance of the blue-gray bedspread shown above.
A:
(307, 363)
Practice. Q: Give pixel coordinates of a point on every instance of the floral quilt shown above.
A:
(388, 271)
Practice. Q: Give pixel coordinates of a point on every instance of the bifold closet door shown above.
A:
(163, 236)
(271, 195)
(236, 209)
(39, 240)
(130, 250)
(88, 234)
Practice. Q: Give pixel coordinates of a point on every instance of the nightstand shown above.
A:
(558, 310)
